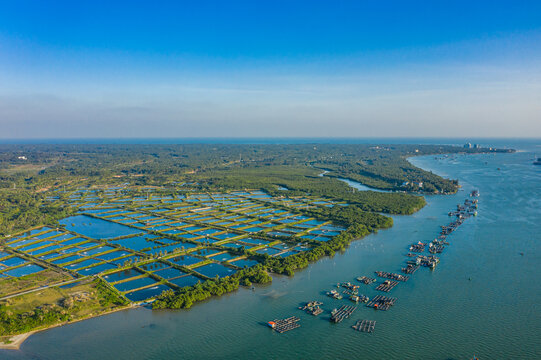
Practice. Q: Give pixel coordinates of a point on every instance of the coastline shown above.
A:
(16, 341)
(460, 328)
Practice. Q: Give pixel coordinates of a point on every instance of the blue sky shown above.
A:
(270, 68)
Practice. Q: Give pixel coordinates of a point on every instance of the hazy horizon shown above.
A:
(498, 142)
(270, 69)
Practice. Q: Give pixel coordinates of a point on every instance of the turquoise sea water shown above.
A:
(482, 299)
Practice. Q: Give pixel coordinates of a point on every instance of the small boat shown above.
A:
(334, 294)
(359, 298)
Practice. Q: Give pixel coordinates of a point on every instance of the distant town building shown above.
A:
(22, 158)
(418, 183)
(467, 146)
(476, 146)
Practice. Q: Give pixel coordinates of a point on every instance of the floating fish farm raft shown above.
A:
(342, 313)
(381, 302)
(419, 247)
(334, 294)
(312, 308)
(348, 286)
(366, 280)
(415, 259)
(283, 325)
(392, 276)
(387, 285)
(365, 325)
(427, 261)
(410, 268)
(435, 248)
(359, 298)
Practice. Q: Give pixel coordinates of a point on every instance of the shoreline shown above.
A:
(17, 340)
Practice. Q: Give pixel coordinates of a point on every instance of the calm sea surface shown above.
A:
(483, 298)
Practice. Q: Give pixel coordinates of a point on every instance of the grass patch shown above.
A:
(47, 277)
(52, 306)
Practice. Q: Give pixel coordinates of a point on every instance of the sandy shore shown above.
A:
(15, 341)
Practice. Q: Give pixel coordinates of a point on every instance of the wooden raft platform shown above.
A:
(392, 276)
(436, 248)
(410, 268)
(342, 313)
(312, 308)
(380, 302)
(366, 280)
(365, 325)
(283, 325)
(351, 292)
(417, 247)
(387, 285)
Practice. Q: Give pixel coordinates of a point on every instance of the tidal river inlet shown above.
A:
(482, 299)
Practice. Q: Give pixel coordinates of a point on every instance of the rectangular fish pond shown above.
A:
(226, 236)
(287, 253)
(122, 275)
(244, 263)
(154, 266)
(82, 264)
(45, 249)
(96, 269)
(211, 270)
(97, 228)
(134, 284)
(24, 270)
(144, 294)
(224, 257)
(123, 261)
(185, 260)
(169, 273)
(98, 250)
(29, 248)
(207, 252)
(253, 241)
(14, 261)
(170, 248)
(269, 251)
(136, 243)
(67, 259)
(188, 280)
(112, 255)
